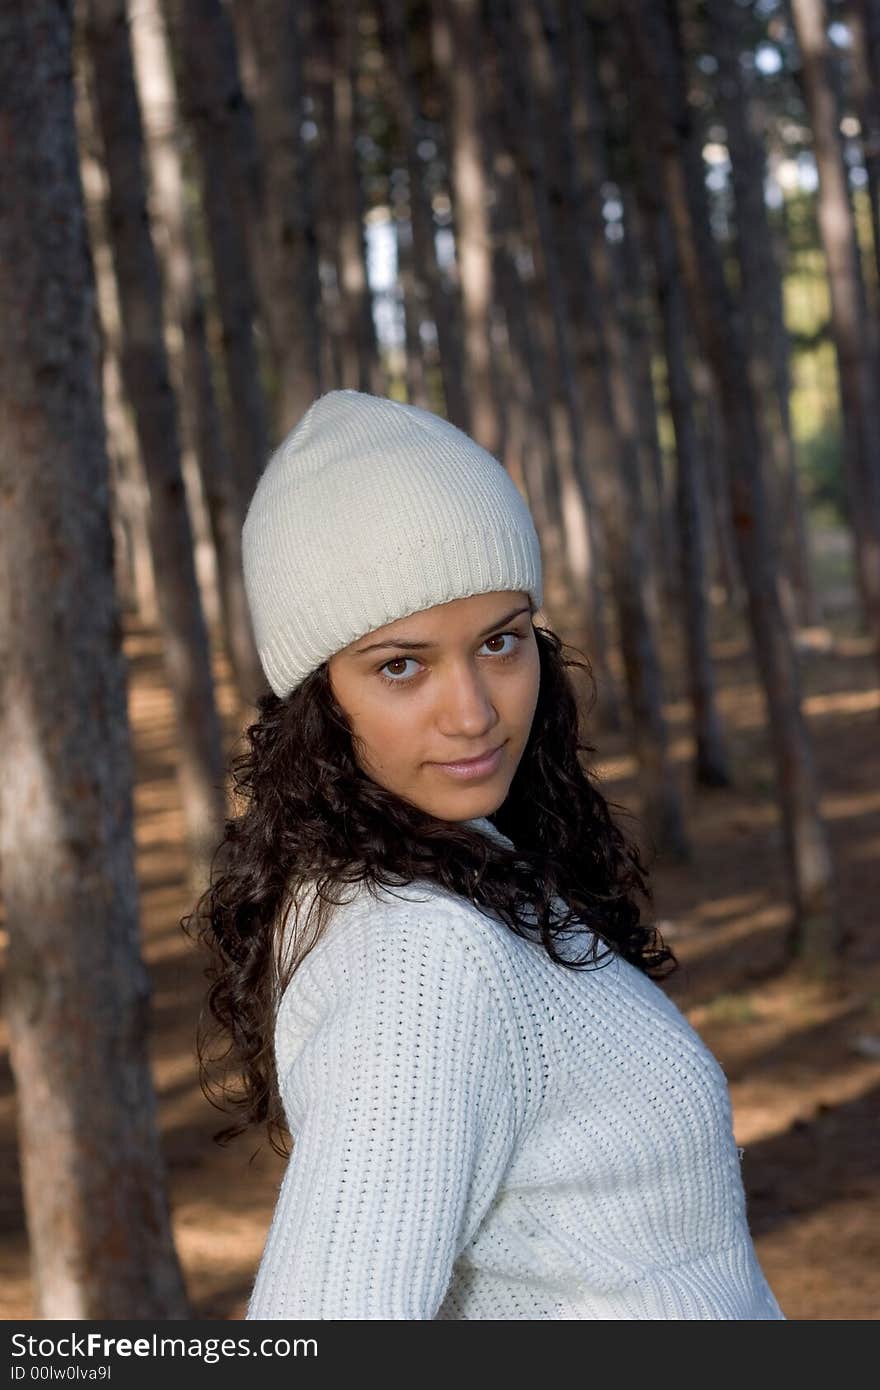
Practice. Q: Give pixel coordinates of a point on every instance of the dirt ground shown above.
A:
(802, 1056)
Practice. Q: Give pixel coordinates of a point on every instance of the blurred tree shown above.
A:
(761, 301)
(214, 107)
(77, 993)
(864, 22)
(635, 288)
(427, 279)
(129, 494)
(662, 95)
(385, 42)
(458, 45)
(270, 39)
(186, 309)
(358, 348)
(854, 341)
(560, 493)
(711, 766)
(579, 277)
(186, 648)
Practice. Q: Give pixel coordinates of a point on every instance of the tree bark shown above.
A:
(723, 560)
(761, 297)
(557, 497)
(864, 23)
(77, 992)
(214, 107)
(186, 647)
(288, 225)
(457, 57)
(129, 497)
(428, 286)
(410, 287)
(360, 350)
(566, 478)
(587, 317)
(349, 350)
(636, 298)
(853, 342)
(711, 765)
(660, 87)
(200, 411)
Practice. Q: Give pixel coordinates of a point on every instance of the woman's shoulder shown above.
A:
(365, 921)
(382, 956)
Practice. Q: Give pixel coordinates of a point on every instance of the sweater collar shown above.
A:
(485, 826)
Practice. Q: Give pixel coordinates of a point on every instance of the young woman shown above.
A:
(429, 966)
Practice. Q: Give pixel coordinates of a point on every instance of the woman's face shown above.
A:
(449, 683)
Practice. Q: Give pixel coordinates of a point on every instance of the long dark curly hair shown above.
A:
(309, 816)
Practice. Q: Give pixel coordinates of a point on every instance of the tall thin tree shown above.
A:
(711, 765)
(864, 24)
(360, 348)
(271, 30)
(428, 279)
(603, 454)
(186, 648)
(456, 33)
(761, 299)
(214, 107)
(853, 340)
(200, 413)
(77, 992)
(664, 109)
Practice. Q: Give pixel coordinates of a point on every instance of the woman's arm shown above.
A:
(403, 1109)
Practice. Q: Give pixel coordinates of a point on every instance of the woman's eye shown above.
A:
(396, 661)
(401, 678)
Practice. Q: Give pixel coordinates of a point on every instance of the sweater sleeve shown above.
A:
(402, 1104)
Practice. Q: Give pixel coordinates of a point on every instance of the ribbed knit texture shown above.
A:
(368, 511)
(481, 1133)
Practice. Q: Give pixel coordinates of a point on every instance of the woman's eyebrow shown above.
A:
(427, 646)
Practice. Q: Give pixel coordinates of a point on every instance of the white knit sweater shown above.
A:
(481, 1133)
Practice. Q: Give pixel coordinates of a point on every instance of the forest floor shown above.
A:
(802, 1055)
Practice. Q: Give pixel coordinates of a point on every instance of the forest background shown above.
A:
(634, 249)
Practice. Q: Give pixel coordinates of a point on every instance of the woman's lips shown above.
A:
(477, 767)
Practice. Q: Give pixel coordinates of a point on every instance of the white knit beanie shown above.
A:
(367, 511)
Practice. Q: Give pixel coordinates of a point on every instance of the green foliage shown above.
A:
(815, 411)
(822, 469)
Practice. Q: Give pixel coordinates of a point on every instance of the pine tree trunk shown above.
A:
(186, 306)
(213, 106)
(608, 417)
(711, 765)
(555, 496)
(318, 77)
(347, 360)
(724, 564)
(761, 294)
(129, 497)
(636, 297)
(290, 237)
(77, 992)
(145, 370)
(864, 24)
(622, 356)
(409, 281)
(661, 94)
(428, 284)
(565, 482)
(363, 370)
(462, 42)
(853, 341)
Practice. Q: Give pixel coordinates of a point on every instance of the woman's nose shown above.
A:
(465, 699)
